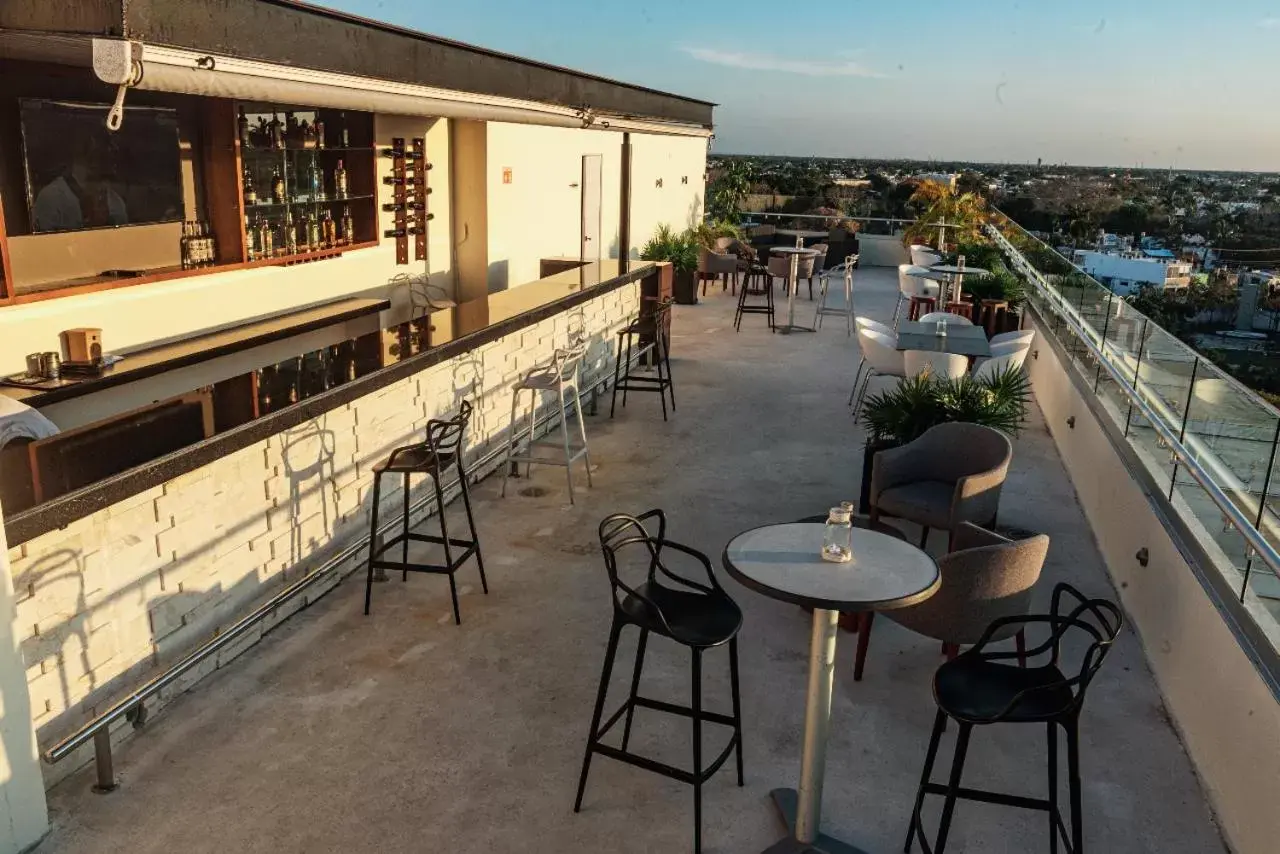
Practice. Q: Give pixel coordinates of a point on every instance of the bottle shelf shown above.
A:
(269, 152)
(268, 206)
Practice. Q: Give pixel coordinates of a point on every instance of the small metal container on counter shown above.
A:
(35, 365)
(52, 365)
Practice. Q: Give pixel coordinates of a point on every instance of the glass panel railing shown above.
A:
(1205, 438)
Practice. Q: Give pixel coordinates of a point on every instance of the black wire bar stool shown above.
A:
(648, 334)
(433, 457)
(694, 614)
(979, 688)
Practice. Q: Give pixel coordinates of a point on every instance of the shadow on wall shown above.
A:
(95, 634)
(499, 276)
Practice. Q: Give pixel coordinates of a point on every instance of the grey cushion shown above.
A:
(927, 502)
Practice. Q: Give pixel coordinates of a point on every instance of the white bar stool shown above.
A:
(560, 377)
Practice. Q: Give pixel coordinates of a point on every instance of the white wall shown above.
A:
(673, 159)
(1226, 715)
(539, 214)
(134, 318)
(1100, 265)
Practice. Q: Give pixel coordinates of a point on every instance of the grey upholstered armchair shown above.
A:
(985, 578)
(713, 264)
(951, 474)
(819, 264)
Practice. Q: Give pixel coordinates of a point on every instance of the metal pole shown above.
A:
(102, 761)
(817, 722)
(1102, 344)
(1186, 413)
(1142, 345)
(1262, 509)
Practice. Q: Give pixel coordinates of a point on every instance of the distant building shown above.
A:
(1126, 271)
(946, 179)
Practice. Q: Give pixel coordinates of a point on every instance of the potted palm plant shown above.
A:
(681, 251)
(903, 413)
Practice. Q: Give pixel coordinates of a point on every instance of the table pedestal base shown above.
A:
(787, 329)
(786, 800)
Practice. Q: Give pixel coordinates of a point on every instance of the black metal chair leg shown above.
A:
(635, 687)
(471, 523)
(373, 541)
(737, 701)
(1052, 729)
(628, 372)
(448, 550)
(617, 367)
(662, 380)
(671, 383)
(697, 751)
(939, 724)
(404, 530)
(614, 631)
(924, 537)
(953, 784)
(1072, 727)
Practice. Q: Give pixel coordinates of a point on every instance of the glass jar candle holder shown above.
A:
(940, 329)
(837, 537)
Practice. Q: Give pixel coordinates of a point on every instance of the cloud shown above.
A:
(765, 62)
(1270, 23)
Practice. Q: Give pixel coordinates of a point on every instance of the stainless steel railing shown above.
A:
(1200, 463)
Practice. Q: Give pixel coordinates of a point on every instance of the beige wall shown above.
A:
(135, 586)
(680, 162)
(539, 214)
(1226, 715)
(23, 815)
(136, 317)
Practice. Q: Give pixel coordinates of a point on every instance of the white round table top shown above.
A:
(959, 271)
(800, 232)
(783, 562)
(793, 250)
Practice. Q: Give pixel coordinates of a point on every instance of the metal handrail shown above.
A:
(131, 708)
(781, 215)
(1229, 509)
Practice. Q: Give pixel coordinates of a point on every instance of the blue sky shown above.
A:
(1183, 83)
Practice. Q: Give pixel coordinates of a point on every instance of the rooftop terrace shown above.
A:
(401, 732)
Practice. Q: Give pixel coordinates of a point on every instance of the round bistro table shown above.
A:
(783, 562)
(794, 253)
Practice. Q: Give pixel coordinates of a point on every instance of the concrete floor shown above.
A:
(401, 732)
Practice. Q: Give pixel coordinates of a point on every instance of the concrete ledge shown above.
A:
(1195, 656)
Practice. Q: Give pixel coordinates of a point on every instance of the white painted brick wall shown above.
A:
(110, 598)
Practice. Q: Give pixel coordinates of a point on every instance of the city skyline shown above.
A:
(1172, 84)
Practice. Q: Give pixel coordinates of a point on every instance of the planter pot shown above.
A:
(685, 288)
(1008, 321)
(869, 451)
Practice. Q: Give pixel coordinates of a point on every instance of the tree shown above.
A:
(728, 192)
(964, 213)
(972, 182)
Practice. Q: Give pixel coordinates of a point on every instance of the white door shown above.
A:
(592, 167)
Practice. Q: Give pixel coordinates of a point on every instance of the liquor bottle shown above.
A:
(266, 239)
(210, 245)
(184, 245)
(329, 230)
(316, 180)
(318, 127)
(276, 131)
(250, 239)
(340, 181)
(250, 193)
(348, 226)
(401, 232)
(277, 187)
(290, 233)
(313, 232)
(393, 180)
(344, 138)
(292, 133)
(242, 128)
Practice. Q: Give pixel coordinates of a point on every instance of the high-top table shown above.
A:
(795, 253)
(783, 562)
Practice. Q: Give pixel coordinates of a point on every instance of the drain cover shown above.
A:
(533, 492)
